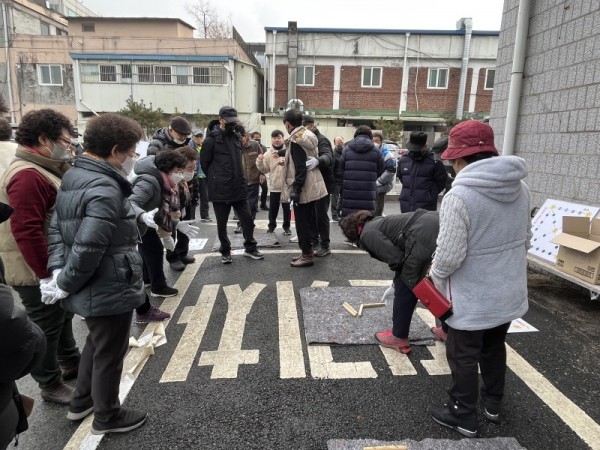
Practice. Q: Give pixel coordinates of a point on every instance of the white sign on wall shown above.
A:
(547, 224)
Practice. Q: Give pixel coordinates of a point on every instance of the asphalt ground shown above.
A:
(552, 392)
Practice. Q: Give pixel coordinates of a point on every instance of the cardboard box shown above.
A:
(579, 251)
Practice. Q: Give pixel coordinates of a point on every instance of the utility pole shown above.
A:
(7, 59)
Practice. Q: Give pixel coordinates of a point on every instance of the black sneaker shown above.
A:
(491, 414)
(81, 412)
(270, 230)
(206, 219)
(126, 420)
(187, 259)
(238, 230)
(467, 426)
(177, 266)
(226, 259)
(287, 231)
(322, 251)
(166, 291)
(254, 254)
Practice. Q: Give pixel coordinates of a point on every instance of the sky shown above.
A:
(250, 17)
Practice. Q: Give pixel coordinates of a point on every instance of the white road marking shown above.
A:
(399, 363)
(439, 364)
(582, 424)
(82, 439)
(230, 356)
(291, 354)
(370, 283)
(196, 317)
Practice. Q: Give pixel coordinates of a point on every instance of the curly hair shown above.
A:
(350, 223)
(167, 160)
(5, 130)
(189, 153)
(42, 122)
(104, 132)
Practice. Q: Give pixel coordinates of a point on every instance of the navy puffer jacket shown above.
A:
(422, 180)
(92, 236)
(361, 164)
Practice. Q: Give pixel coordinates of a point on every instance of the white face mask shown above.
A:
(176, 177)
(59, 153)
(187, 176)
(179, 141)
(127, 166)
(376, 145)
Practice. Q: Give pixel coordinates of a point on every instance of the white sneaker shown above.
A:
(294, 239)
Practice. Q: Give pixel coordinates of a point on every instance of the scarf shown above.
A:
(58, 168)
(170, 202)
(187, 197)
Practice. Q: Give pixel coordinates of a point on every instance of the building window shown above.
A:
(489, 79)
(209, 75)
(371, 77)
(108, 74)
(145, 74)
(55, 7)
(162, 74)
(71, 13)
(88, 27)
(60, 32)
(126, 72)
(182, 73)
(437, 79)
(50, 75)
(305, 75)
(89, 73)
(44, 29)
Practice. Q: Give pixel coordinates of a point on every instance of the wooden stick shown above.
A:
(373, 305)
(360, 310)
(350, 309)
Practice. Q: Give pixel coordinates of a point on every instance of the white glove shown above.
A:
(311, 163)
(148, 219)
(189, 230)
(292, 204)
(168, 243)
(51, 293)
(388, 296)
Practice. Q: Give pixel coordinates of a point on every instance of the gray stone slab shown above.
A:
(327, 322)
(502, 443)
(263, 240)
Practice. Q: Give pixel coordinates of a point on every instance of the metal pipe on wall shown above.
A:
(467, 24)
(7, 59)
(516, 78)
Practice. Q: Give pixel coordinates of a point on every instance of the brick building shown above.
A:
(358, 76)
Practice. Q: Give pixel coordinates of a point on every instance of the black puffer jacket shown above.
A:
(409, 251)
(362, 164)
(93, 236)
(422, 180)
(221, 159)
(326, 161)
(338, 173)
(162, 141)
(147, 190)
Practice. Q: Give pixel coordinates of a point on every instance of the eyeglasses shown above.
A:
(67, 142)
(135, 156)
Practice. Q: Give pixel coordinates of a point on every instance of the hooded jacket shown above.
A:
(147, 190)
(325, 160)
(270, 164)
(338, 173)
(485, 231)
(361, 164)
(221, 160)
(422, 180)
(385, 182)
(92, 237)
(406, 250)
(162, 140)
(249, 157)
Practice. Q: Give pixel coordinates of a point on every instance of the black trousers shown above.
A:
(468, 350)
(319, 222)
(151, 249)
(182, 242)
(274, 211)
(302, 214)
(379, 204)
(203, 185)
(405, 302)
(101, 365)
(264, 186)
(242, 211)
(336, 201)
(56, 323)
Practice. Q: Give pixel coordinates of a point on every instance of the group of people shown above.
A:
(85, 236)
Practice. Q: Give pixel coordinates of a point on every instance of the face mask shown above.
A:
(176, 177)
(179, 141)
(59, 153)
(127, 166)
(376, 145)
(187, 176)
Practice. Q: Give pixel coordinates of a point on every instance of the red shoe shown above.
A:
(440, 334)
(387, 339)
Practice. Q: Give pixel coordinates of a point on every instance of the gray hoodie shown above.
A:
(481, 258)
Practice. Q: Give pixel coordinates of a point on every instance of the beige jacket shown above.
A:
(314, 186)
(270, 164)
(7, 154)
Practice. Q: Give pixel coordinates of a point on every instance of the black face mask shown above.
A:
(233, 128)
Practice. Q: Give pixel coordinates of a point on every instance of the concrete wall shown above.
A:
(559, 117)
(157, 28)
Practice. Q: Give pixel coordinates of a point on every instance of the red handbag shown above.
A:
(432, 299)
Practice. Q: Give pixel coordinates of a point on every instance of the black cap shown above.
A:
(197, 132)
(228, 113)
(440, 145)
(180, 125)
(307, 119)
(418, 139)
